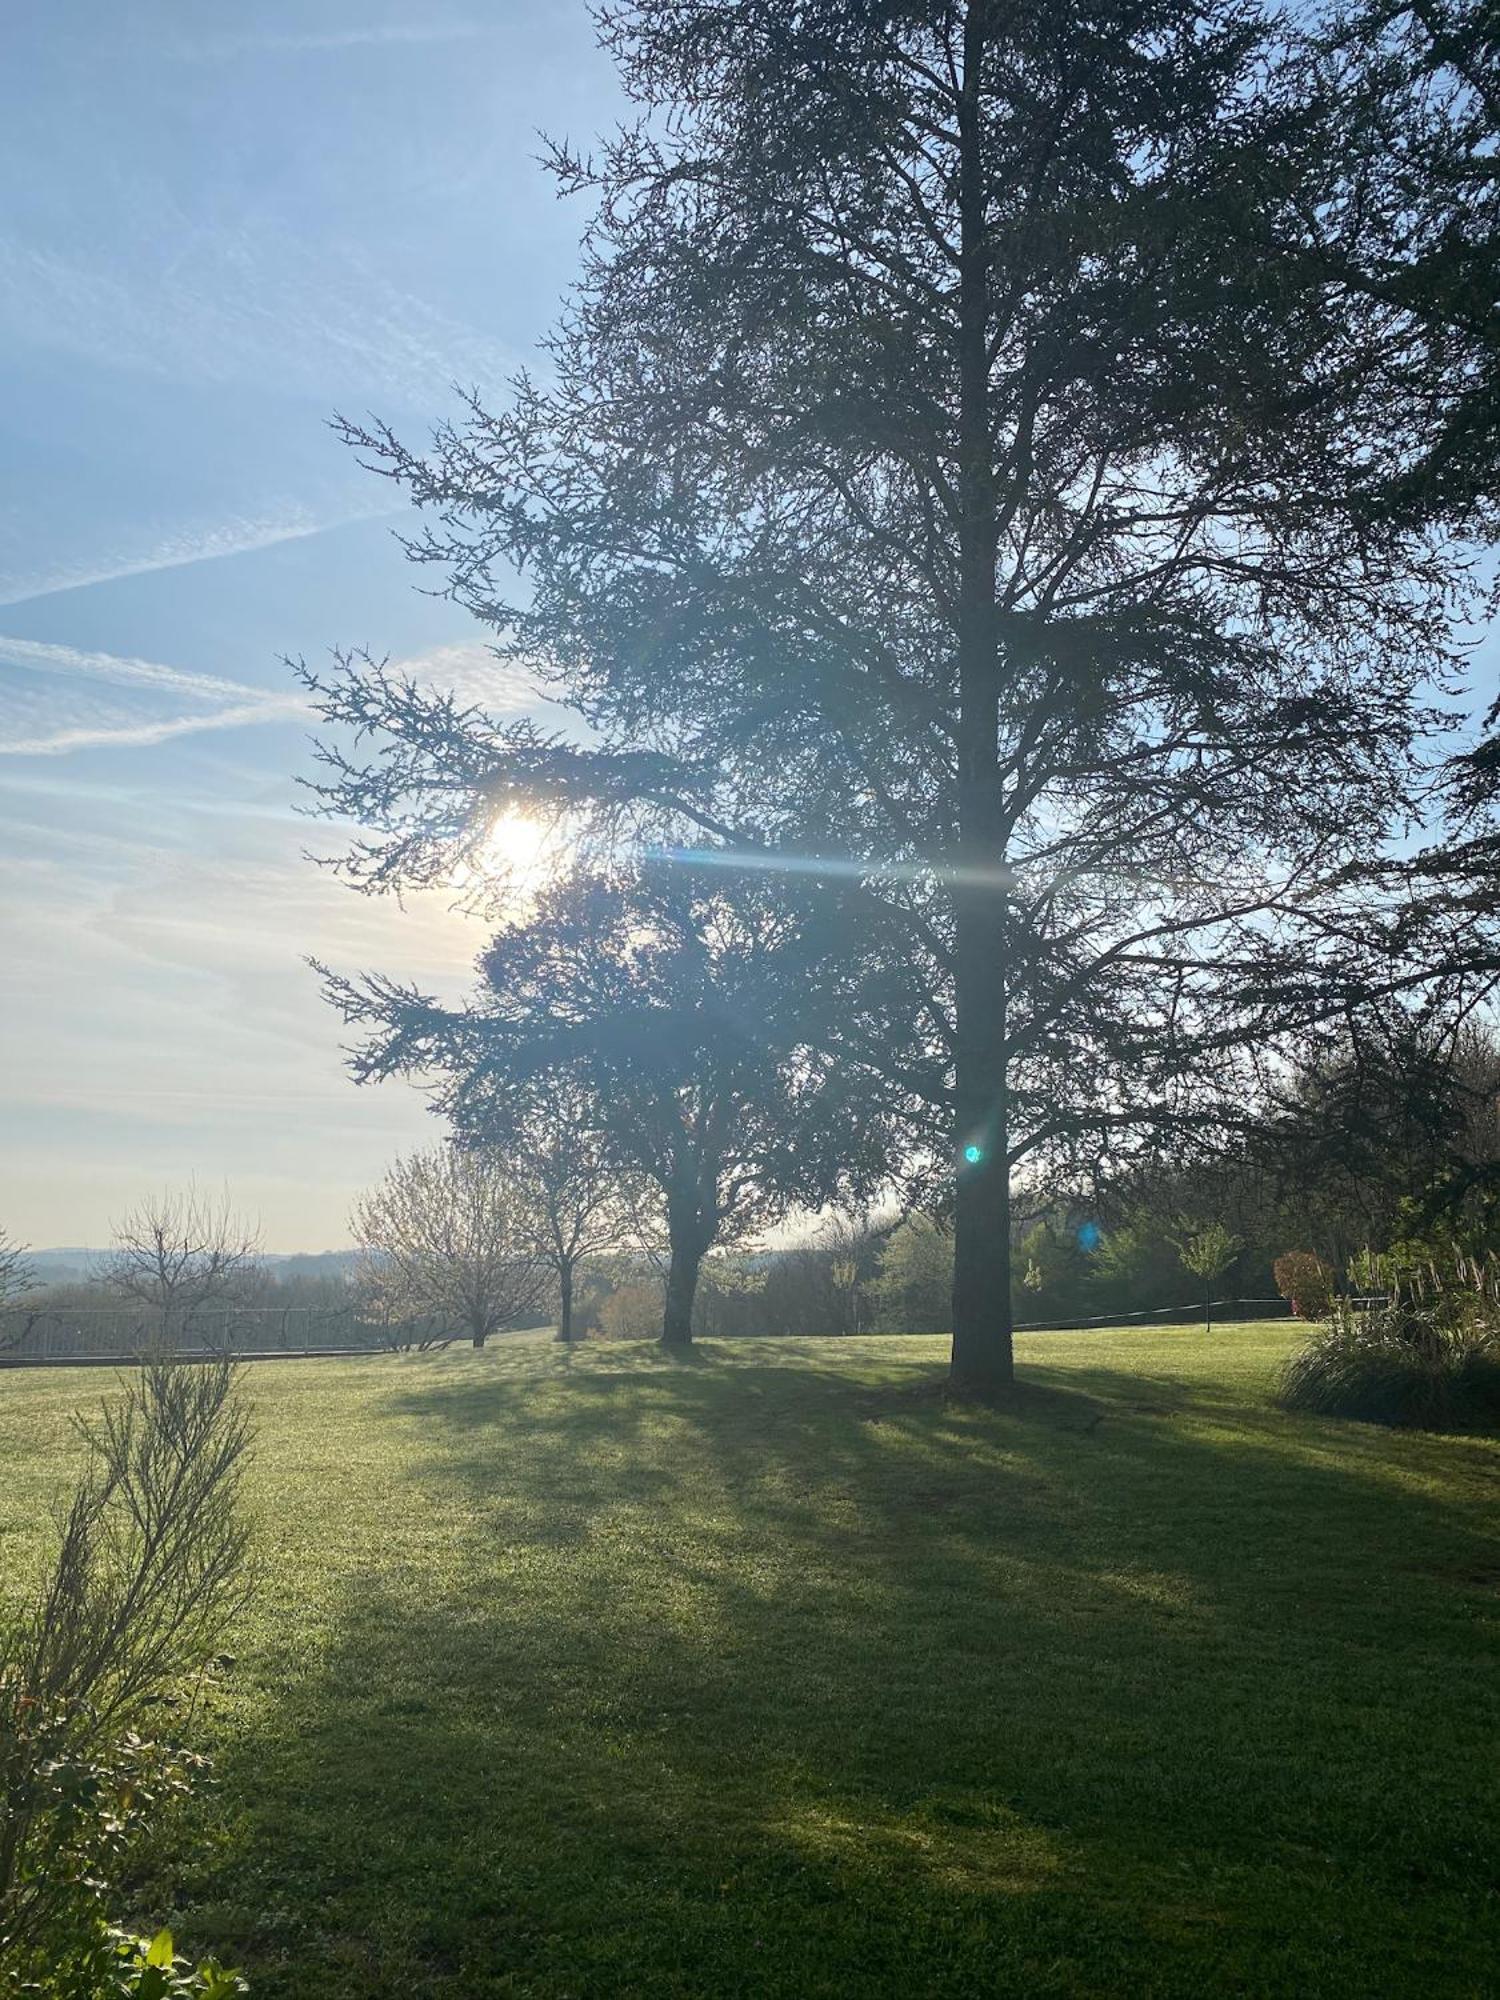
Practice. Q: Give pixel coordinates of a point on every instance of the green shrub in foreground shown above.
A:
(149, 1569)
(1421, 1365)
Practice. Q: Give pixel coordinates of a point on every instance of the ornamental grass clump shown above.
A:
(1432, 1365)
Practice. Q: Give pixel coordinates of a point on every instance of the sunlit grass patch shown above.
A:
(777, 1673)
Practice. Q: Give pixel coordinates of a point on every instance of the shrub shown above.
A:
(913, 1289)
(1306, 1281)
(150, 1969)
(149, 1569)
(1428, 1366)
(632, 1311)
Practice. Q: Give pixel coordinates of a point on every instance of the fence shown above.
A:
(111, 1333)
(1221, 1309)
(45, 1335)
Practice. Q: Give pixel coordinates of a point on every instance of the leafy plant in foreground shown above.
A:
(150, 1568)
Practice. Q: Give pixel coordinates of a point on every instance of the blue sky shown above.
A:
(220, 225)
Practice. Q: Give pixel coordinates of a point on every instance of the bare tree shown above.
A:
(179, 1254)
(454, 1240)
(16, 1272)
(17, 1277)
(577, 1200)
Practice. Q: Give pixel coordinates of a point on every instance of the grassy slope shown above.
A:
(774, 1675)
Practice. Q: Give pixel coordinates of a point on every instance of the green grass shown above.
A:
(772, 1674)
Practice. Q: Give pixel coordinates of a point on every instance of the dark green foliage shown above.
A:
(1136, 1267)
(1401, 1364)
(83, 1806)
(1053, 1271)
(913, 1288)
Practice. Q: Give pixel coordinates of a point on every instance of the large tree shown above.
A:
(966, 471)
(692, 1019)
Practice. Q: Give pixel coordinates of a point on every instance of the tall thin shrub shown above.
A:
(150, 1568)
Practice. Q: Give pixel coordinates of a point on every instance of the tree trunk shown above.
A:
(685, 1240)
(682, 1285)
(565, 1300)
(479, 1339)
(982, 1318)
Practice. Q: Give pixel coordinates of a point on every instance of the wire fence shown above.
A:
(80, 1334)
(1225, 1309)
(48, 1334)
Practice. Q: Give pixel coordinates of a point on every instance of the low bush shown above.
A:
(1428, 1366)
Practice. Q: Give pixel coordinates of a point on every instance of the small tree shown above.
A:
(578, 1201)
(453, 1240)
(178, 1255)
(17, 1277)
(844, 1239)
(17, 1274)
(1208, 1253)
(915, 1282)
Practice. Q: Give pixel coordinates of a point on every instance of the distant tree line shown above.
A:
(1381, 1152)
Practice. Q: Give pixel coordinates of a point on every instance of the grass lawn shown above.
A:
(772, 1674)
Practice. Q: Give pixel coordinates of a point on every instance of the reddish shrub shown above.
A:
(1306, 1281)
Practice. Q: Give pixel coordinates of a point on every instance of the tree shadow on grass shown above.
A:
(762, 1679)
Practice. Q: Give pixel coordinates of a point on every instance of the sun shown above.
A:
(515, 845)
(516, 855)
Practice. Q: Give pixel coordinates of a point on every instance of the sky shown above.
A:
(220, 226)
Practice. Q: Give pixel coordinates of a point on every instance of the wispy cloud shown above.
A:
(395, 35)
(471, 671)
(42, 657)
(238, 704)
(234, 537)
(254, 305)
(142, 734)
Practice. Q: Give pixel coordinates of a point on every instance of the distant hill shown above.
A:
(69, 1266)
(63, 1267)
(311, 1263)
